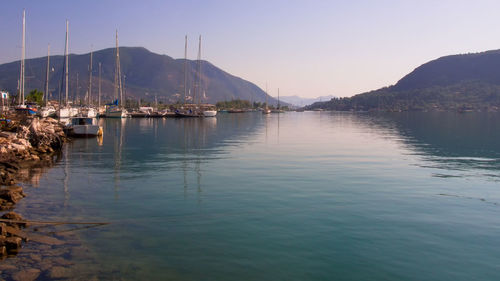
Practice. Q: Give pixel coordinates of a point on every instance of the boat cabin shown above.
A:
(83, 121)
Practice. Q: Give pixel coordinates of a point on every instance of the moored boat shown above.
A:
(114, 112)
(209, 113)
(83, 127)
(208, 110)
(186, 113)
(48, 111)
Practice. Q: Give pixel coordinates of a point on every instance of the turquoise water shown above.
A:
(294, 196)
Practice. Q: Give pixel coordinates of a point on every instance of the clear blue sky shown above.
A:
(306, 48)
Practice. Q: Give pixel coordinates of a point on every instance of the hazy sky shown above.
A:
(306, 48)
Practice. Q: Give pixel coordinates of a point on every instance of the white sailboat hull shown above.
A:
(115, 114)
(210, 113)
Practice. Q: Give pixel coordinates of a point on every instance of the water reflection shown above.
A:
(139, 148)
(33, 174)
(466, 144)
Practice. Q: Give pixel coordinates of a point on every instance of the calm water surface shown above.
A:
(295, 196)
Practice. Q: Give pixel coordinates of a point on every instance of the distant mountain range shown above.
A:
(300, 101)
(146, 74)
(457, 82)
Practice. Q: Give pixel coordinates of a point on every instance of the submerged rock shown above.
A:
(13, 244)
(58, 272)
(29, 274)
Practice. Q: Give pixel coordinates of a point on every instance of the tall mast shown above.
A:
(46, 96)
(266, 96)
(99, 97)
(90, 80)
(66, 72)
(199, 70)
(118, 74)
(278, 98)
(77, 90)
(185, 67)
(23, 57)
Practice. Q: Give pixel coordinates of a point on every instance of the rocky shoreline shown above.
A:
(40, 248)
(24, 143)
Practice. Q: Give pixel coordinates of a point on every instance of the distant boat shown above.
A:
(83, 127)
(114, 110)
(266, 109)
(209, 113)
(278, 110)
(143, 112)
(189, 112)
(209, 110)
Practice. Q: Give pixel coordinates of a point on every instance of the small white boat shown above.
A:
(47, 111)
(83, 127)
(209, 113)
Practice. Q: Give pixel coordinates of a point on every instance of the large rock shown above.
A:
(14, 217)
(12, 194)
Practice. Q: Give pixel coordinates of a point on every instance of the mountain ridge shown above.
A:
(146, 74)
(454, 82)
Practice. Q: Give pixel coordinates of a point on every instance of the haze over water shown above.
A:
(295, 196)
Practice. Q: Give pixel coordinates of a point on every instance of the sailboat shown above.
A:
(185, 110)
(266, 109)
(22, 108)
(114, 109)
(47, 110)
(278, 110)
(208, 110)
(88, 110)
(66, 111)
